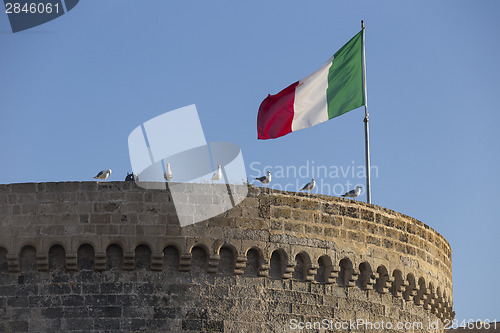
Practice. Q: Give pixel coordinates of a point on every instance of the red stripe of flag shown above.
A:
(276, 114)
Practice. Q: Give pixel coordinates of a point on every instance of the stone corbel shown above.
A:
(398, 292)
(42, 262)
(263, 270)
(128, 261)
(100, 261)
(353, 278)
(239, 265)
(185, 262)
(71, 262)
(12, 262)
(213, 264)
(334, 274)
(311, 272)
(289, 268)
(157, 261)
(384, 289)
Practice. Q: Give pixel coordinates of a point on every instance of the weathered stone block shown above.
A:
(373, 240)
(72, 300)
(313, 229)
(294, 227)
(17, 301)
(76, 312)
(100, 218)
(302, 215)
(291, 201)
(356, 236)
(25, 187)
(281, 212)
(106, 324)
(7, 291)
(311, 204)
(349, 211)
(105, 312)
(75, 324)
(52, 313)
(331, 232)
(214, 325)
(18, 326)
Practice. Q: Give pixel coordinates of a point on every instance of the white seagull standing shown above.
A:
(265, 179)
(309, 186)
(353, 193)
(217, 174)
(168, 174)
(103, 174)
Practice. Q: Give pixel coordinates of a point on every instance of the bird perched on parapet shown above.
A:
(309, 186)
(103, 174)
(130, 177)
(217, 175)
(168, 173)
(265, 179)
(353, 193)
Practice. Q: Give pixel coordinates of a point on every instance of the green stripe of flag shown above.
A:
(345, 78)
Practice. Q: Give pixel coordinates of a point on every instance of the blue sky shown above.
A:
(73, 89)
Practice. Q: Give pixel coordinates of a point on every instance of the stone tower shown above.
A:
(111, 257)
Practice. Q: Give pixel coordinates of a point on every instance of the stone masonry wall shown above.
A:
(111, 257)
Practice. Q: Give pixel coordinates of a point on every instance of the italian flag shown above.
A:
(334, 89)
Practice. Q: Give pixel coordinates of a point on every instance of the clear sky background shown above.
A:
(73, 89)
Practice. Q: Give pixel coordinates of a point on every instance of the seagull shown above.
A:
(309, 186)
(265, 179)
(103, 174)
(168, 174)
(217, 174)
(353, 193)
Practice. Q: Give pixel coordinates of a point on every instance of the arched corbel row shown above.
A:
(228, 261)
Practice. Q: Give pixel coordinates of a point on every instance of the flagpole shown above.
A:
(367, 136)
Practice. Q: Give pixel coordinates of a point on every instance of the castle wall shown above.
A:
(113, 257)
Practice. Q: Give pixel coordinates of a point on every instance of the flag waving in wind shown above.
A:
(334, 89)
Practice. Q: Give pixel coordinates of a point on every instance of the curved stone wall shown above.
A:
(112, 256)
